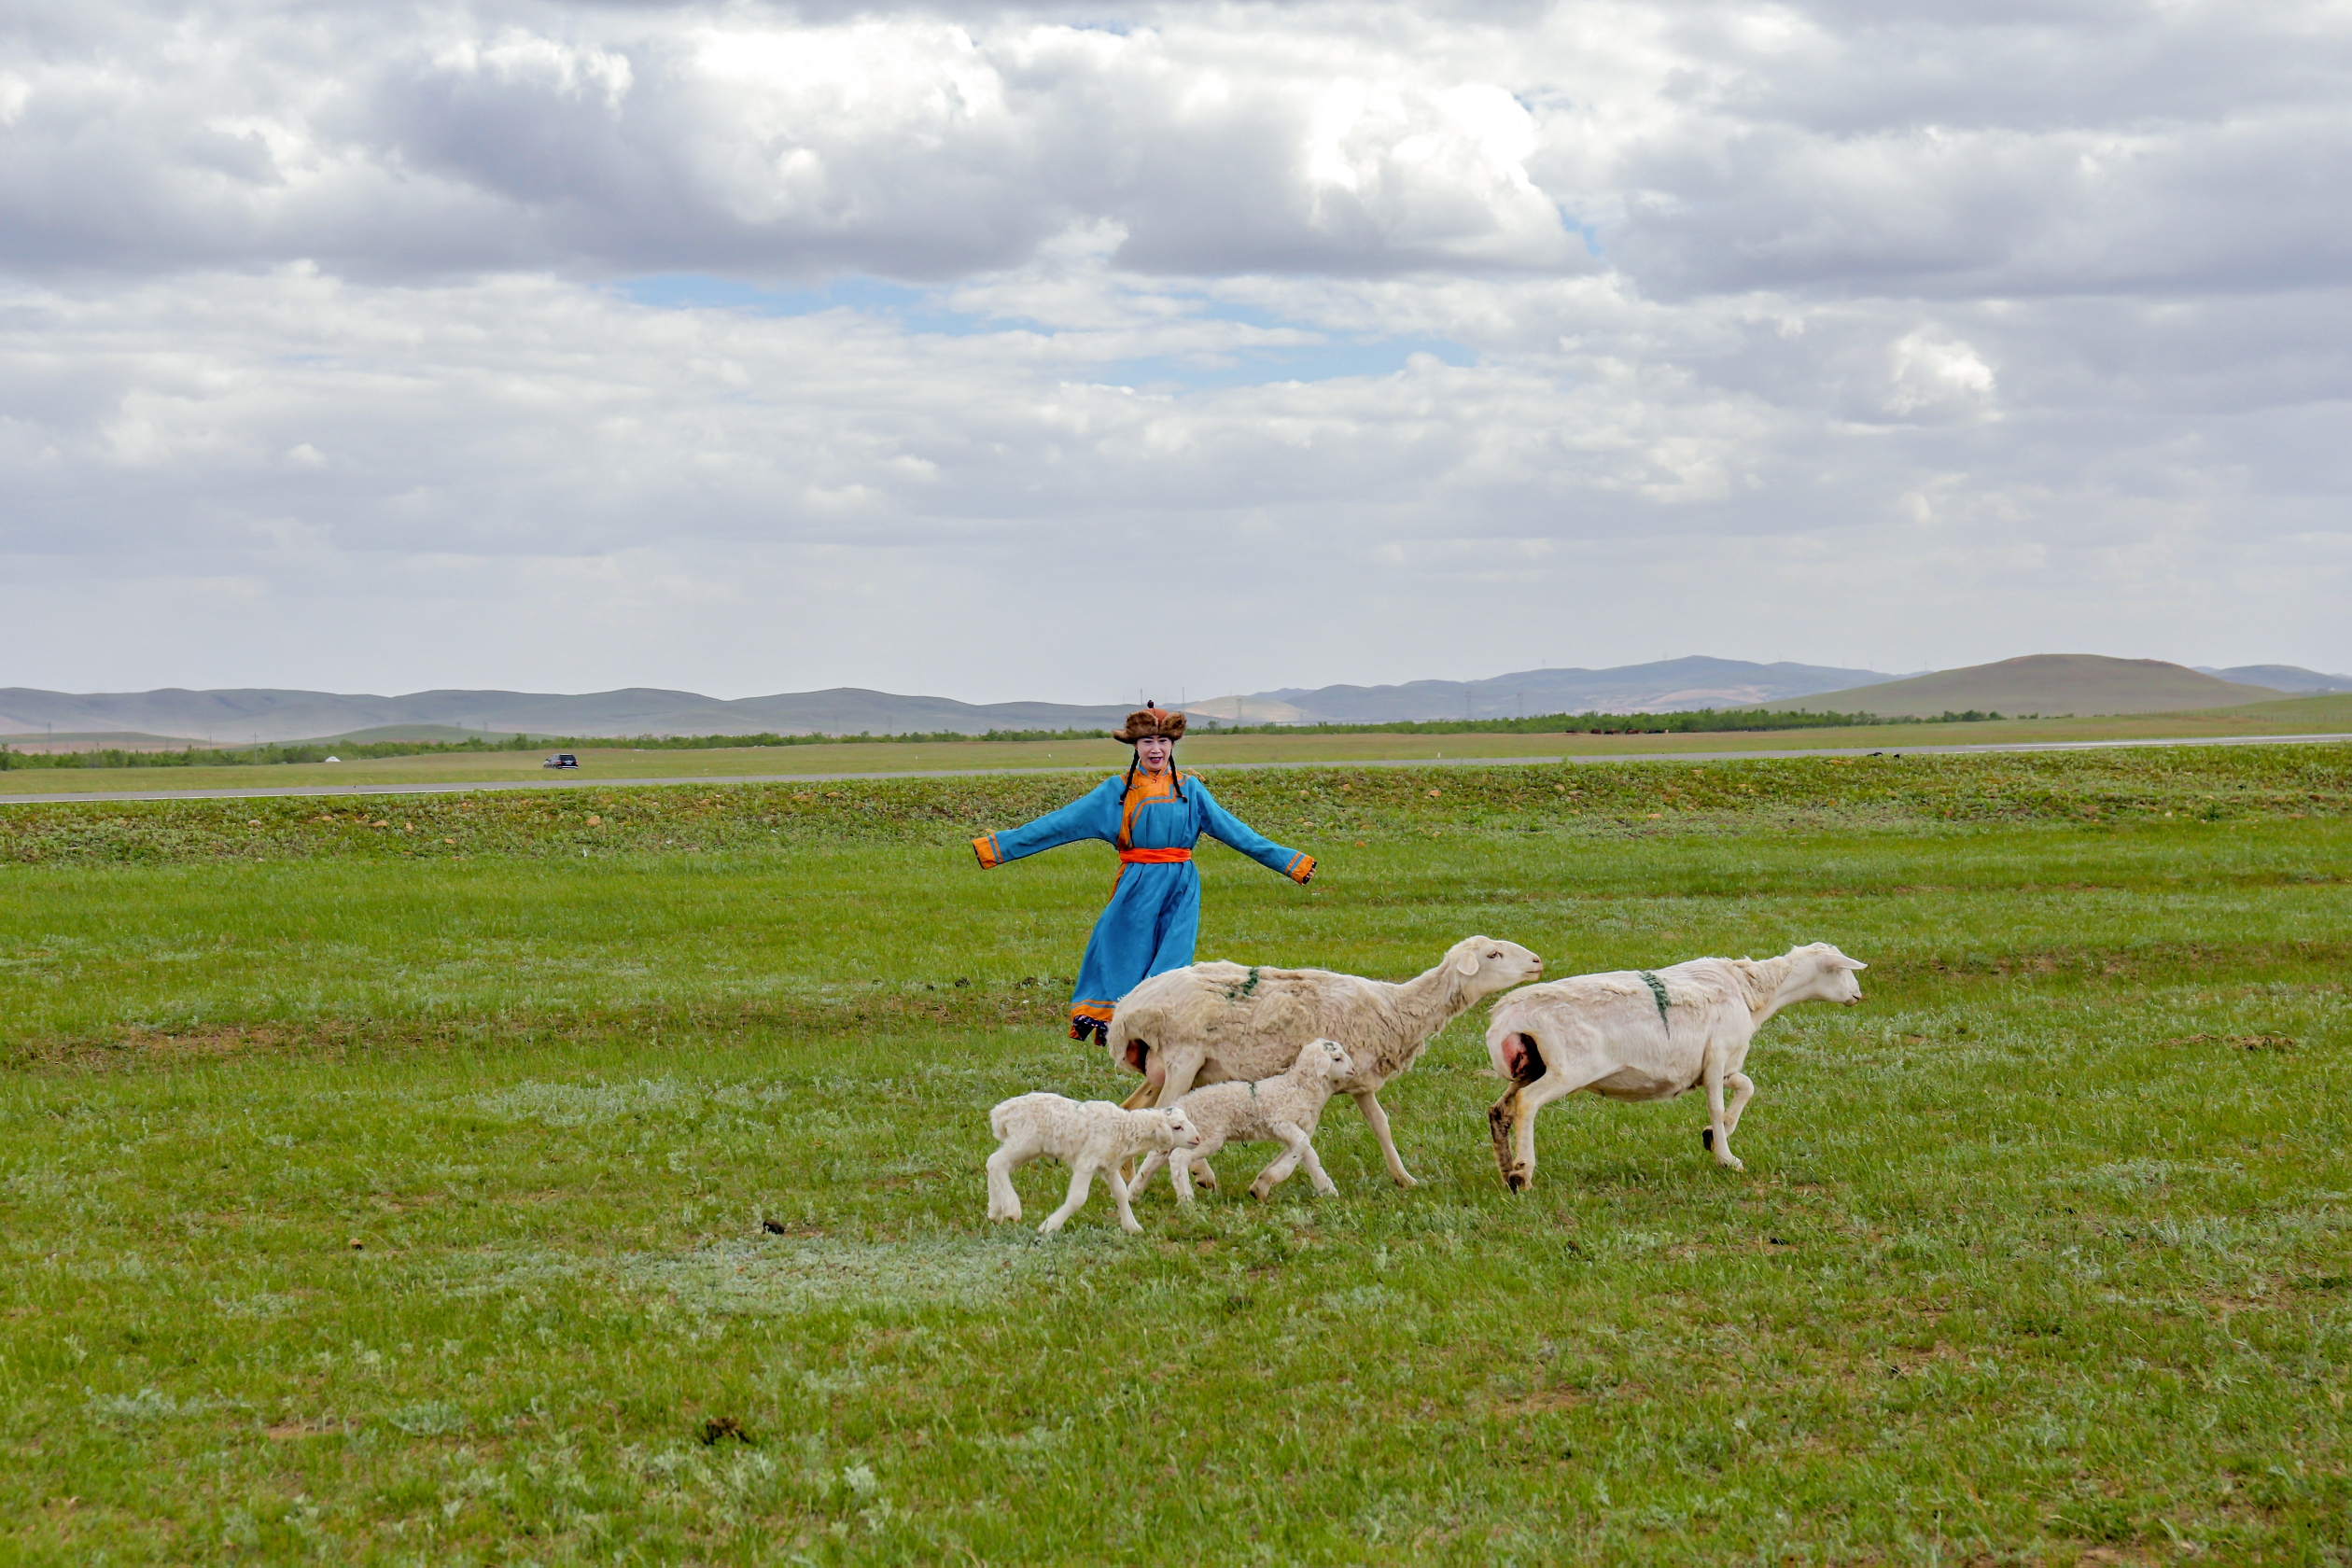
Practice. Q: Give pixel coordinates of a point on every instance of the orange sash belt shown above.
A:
(1153, 857)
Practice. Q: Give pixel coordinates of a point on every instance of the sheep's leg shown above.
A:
(1368, 1102)
(1180, 1167)
(1719, 1135)
(1293, 1142)
(1742, 1088)
(1081, 1180)
(1523, 1140)
(1145, 1096)
(1003, 1202)
(1179, 1174)
(1181, 1069)
(1315, 1172)
(1144, 1172)
(1501, 1116)
(1512, 1121)
(1119, 1194)
(1151, 1092)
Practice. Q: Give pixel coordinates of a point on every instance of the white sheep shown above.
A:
(1642, 1034)
(1283, 1110)
(1214, 1022)
(1088, 1136)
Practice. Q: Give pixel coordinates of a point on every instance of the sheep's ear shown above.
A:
(1467, 964)
(1841, 961)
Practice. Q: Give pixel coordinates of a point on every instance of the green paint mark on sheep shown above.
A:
(1658, 992)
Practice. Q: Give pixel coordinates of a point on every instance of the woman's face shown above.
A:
(1152, 751)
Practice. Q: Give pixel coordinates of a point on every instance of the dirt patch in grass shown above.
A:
(2243, 1042)
(144, 1048)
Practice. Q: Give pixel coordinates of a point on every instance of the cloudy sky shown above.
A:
(1060, 353)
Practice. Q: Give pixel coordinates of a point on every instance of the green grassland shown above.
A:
(2322, 715)
(398, 1196)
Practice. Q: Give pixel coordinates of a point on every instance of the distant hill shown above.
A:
(2283, 677)
(2046, 684)
(1667, 686)
(401, 732)
(2079, 684)
(243, 716)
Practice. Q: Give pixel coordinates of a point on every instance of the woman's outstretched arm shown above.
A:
(1092, 814)
(1228, 829)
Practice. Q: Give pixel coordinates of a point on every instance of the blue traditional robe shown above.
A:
(1153, 917)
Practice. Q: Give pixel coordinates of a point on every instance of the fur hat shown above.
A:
(1146, 721)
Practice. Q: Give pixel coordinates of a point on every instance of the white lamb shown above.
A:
(1283, 1110)
(1642, 1034)
(1088, 1136)
(1214, 1022)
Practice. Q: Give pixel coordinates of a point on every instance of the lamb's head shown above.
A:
(1822, 973)
(1326, 1059)
(1175, 1128)
(1483, 965)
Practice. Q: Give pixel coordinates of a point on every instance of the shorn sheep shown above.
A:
(1214, 1022)
(1642, 1034)
(1089, 1137)
(1283, 1110)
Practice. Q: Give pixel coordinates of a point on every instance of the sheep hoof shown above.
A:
(1404, 1179)
(1519, 1178)
(1259, 1190)
(1706, 1137)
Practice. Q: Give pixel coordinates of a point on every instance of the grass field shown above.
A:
(398, 1196)
(2297, 716)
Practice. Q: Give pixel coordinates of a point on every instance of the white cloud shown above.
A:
(1930, 373)
(1400, 341)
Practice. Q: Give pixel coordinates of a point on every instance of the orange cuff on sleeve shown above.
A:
(984, 847)
(1302, 868)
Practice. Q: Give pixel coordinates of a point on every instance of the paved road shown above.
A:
(575, 781)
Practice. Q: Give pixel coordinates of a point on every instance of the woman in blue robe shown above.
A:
(1152, 815)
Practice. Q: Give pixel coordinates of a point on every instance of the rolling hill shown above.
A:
(239, 717)
(2281, 677)
(2044, 683)
(243, 716)
(2078, 684)
(1666, 686)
